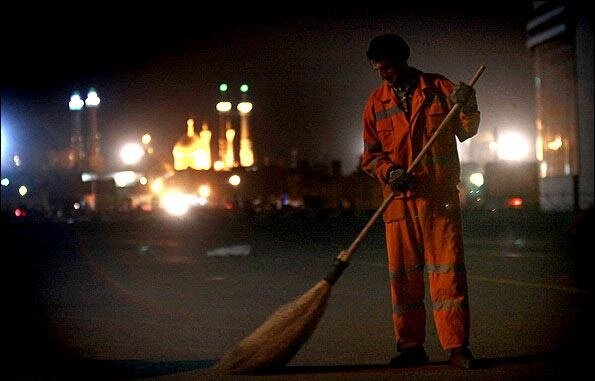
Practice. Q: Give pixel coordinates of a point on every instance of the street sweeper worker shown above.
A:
(423, 221)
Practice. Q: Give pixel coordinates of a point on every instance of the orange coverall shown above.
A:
(423, 225)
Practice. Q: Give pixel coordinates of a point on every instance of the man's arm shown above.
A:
(374, 161)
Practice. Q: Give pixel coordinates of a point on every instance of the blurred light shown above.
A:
(476, 179)
(555, 144)
(146, 139)
(157, 186)
(492, 146)
(76, 206)
(20, 212)
(124, 178)
(23, 190)
(244, 107)
(234, 180)
(143, 180)
(218, 165)
(86, 177)
(202, 201)
(92, 98)
(17, 160)
(515, 202)
(542, 169)
(150, 150)
(5, 182)
(175, 203)
(223, 106)
(244, 88)
(204, 191)
(76, 103)
(223, 87)
(131, 153)
(230, 134)
(513, 146)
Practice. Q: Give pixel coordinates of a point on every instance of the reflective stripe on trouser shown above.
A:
(432, 238)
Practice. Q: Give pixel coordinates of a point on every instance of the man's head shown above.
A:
(388, 54)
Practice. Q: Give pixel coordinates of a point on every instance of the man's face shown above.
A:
(388, 71)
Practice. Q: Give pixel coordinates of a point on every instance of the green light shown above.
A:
(223, 87)
(244, 88)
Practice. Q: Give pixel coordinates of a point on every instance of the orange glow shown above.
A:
(515, 202)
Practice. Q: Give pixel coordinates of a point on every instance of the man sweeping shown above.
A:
(423, 220)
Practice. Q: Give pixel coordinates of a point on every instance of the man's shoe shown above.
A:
(410, 357)
(462, 358)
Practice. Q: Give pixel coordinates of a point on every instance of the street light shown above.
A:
(244, 107)
(131, 153)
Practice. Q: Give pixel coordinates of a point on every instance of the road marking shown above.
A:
(529, 284)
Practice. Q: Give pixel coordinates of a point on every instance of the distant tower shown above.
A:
(244, 107)
(76, 156)
(223, 107)
(94, 137)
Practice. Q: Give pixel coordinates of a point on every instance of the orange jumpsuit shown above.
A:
(423, 225)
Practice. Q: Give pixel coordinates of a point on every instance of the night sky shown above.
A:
(306, 68)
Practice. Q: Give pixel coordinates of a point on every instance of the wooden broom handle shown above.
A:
(346, 254)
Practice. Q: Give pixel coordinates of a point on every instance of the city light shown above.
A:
(146, 139)
(234, 180)
(204, 191)
(244, 88)
(131, 153)
(223, 106)
(76, 103)
(5, 182)
(157, 186)
(244, 107)
(124, 178)
(513, 146)
(23, 190)
(218, 165)
(223, 87)
(476, 179)
(555, 144)
(175, 203)
(92, 98)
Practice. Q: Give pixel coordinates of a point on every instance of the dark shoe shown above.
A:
(410, 357)
(462, 358)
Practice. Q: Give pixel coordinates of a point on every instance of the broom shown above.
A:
(279, 338)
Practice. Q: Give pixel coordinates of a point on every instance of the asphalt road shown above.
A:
(156, 297)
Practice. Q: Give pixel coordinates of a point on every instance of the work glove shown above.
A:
(465, 96)
(398, 179)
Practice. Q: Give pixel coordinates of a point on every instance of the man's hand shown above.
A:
(398, 179)
(465, 96)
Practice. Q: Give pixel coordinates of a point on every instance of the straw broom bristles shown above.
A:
(279, 338)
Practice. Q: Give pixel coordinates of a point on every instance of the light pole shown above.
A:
(93, 139)
(223, 107)
(76, 156)
(244, 108)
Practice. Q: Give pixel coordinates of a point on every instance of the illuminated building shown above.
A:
(192, 150)
(561, 39)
